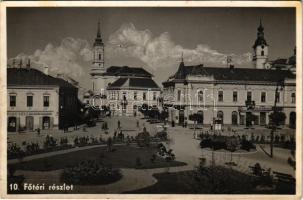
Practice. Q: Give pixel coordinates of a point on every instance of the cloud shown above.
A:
(160, 54)
(161, 50)
(69, 58)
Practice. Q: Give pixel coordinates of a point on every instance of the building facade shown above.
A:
(121, 88)
(231, 95)
(37, 100)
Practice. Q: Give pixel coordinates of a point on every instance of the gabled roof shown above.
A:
(127, 71)
(134, 83)
(233, 74)
(33, 77)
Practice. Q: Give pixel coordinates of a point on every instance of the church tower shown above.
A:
(260, 49)
(97, 68)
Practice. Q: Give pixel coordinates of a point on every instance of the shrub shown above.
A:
(161, 135)
(247, 145)
(14, 151)
(143, 139)
(90, 173)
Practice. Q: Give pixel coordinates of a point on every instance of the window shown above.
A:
(200, 96)
(124, 96)
(99, 56)
(29, 101)
(235, 96)
(220, 96)
(154, 96)
(12, 101)
(135, 95)
(249, 96)
(278, 97)
(262, 53)
(179, 95)
(144, 96)
(46, 101)
(263, 97)
(220, 115)
(293, 97)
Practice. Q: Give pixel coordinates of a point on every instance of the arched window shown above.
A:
(262, 53)
(234, 118)
(99, 56)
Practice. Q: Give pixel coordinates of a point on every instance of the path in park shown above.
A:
(184, 147)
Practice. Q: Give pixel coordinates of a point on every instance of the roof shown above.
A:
(233, 74)
(127, 71)
(134, 83)
(33, 77)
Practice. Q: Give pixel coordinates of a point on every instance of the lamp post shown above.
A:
(185, 83)
(279, 86)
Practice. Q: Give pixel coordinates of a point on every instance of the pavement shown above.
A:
(184, 146)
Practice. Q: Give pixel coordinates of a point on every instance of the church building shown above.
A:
(122, 88)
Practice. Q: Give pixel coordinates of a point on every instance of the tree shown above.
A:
(277, 118)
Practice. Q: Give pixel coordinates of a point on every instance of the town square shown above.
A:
(141, 106)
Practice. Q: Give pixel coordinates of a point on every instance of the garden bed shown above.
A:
(120, 157)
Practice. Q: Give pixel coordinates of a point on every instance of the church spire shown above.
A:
(99, 32)
(98, 40)
(260, 36)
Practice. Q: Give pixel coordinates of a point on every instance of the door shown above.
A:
(29, 120)
(234, 118)
(181, 116)
(262, 118)
(46, 122)
(200, 117)
(12, 124)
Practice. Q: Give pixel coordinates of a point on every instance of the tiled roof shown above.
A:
(34, 77)
(134, 83)
(127, 71)
(234, 74)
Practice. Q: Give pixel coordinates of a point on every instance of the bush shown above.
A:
(228, 143)
(90, 173)
(161, 135)
(14, 151)
(143, 139)
(247, 145)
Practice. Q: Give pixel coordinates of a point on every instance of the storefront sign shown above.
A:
(256, 109)
(27, 113)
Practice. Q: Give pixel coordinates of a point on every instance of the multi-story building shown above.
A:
(230, 94)
(132, 88)
(38, 100)
(124, 89)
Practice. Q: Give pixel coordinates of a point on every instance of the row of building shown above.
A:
(227, 94)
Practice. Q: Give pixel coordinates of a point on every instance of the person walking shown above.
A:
(38, 131)
(119, 124)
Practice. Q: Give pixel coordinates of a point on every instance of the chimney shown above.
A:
(14, 63)
(46, 70)
(20, 63)
(28, 65)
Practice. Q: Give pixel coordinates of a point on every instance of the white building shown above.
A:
(124, 89)
(37, 100)
(231, 94)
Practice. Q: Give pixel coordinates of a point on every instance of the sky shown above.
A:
(153, 38)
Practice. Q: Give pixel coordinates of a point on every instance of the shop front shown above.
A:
(29, 120)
